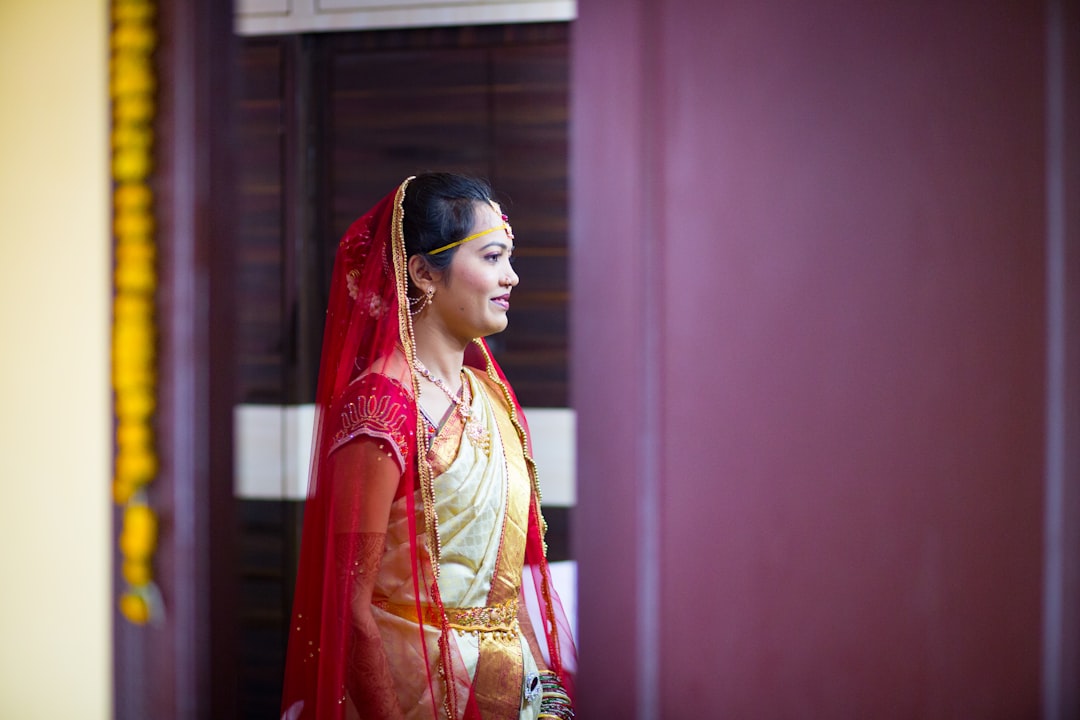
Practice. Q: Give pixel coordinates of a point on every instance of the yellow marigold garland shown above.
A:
(134, 376)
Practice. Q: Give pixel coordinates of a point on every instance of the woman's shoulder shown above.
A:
(497, 390)
(377, 403)
(373, 387)
(390, 373)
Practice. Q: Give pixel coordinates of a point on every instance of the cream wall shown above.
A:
(55, 604)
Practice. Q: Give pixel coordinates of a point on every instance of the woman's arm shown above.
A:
(365, 480)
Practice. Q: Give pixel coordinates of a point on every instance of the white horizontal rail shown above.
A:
(273, 451)
(280, 17)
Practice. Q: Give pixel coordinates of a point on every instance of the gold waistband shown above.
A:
(501, 618)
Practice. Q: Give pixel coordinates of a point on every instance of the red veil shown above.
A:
(367, 382)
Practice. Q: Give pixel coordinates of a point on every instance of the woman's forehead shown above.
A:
(491, 216)
(489, 213)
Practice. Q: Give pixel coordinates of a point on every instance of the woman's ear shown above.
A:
(422, 274)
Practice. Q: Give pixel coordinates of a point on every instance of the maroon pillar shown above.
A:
(1061, 601)
(810, 359)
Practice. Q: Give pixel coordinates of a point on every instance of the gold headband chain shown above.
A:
(505, 226)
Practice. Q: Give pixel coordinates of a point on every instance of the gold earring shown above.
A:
(417, 305)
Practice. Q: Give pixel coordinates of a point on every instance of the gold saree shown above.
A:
(482, 498)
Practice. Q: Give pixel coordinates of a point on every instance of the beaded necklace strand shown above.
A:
(477, 433)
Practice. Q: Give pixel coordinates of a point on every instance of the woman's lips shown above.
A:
(502, 301)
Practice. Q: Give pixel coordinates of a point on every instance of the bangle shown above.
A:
(555, 703)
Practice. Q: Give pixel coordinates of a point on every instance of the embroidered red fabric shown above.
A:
(365, 401)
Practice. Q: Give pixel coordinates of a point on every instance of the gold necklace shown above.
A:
(477, 433)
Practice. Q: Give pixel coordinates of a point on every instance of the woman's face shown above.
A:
(473, 295)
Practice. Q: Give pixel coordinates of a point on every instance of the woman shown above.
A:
(423, 508)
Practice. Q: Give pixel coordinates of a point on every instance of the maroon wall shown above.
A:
(809, 357)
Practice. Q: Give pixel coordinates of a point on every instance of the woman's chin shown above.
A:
(494, 328)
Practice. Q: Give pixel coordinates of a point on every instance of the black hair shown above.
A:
(439, 209)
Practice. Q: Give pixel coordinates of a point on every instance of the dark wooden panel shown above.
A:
(529, 136)
(559, 541)
(262, 529)
(269, 541)
(395, 113)
(260, 240)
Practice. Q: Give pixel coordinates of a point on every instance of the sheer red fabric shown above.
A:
(366, 408)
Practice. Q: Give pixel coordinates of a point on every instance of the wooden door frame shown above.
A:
(184, 665)
(1061, 522)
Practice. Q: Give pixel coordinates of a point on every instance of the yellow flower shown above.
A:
(135, 252)
(131, 74)
(132, 137)
(130, 360)
(135, 466)
(132, 82)
(133, 35)
(133, 309)
(132, 9)
(133, 196)
(133, 109)
(133, 227)
(135, 277)
(135, 235)
(131, 164)
(134, 441)
(133, 434)
(139, 534)
(133, 369)
(131, 378)
(134, 405)
(133, 342)
(134, 608)
(124, 487)
(123, 490)
(126, 379)
(136, 572)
